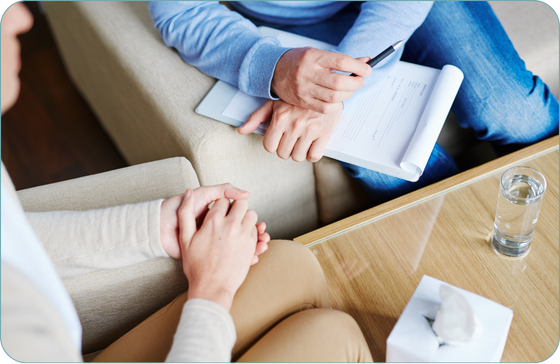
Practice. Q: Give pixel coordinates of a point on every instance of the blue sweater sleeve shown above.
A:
(379, 25)
(219, 42)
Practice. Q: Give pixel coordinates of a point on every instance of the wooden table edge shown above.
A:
(413, 198)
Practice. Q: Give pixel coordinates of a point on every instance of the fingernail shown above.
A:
(242, 191)
(188, 194)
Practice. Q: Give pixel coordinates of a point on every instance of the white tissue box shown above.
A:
(413, 340)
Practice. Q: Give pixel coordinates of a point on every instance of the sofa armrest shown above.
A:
(112, 302)
(140, 183)
(145, 96)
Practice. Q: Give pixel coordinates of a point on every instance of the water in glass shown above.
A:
(519, 203)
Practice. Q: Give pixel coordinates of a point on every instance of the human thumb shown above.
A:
(365, 59)
(262, 115)
(187, 220)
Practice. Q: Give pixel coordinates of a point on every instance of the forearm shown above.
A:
(219, 42)
(379, 25)
(205, 333)
(79, 242)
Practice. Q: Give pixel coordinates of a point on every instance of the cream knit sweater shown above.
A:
(79, 242)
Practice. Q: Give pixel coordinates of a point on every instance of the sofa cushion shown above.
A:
(145, 96)
(140, 183)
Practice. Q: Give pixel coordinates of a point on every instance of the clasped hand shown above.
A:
(294, 131)
(217, 245)
(302, 122)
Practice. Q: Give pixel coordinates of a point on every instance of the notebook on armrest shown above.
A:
(391, 128)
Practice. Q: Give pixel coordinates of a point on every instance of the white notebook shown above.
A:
(391, 128)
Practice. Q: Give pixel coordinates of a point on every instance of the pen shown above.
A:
(381, 56)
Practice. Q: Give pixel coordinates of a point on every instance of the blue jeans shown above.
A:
(499, 99)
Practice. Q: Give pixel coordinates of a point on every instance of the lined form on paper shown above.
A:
(390, 128)
(380, 125)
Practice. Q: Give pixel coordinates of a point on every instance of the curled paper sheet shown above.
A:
(455, 322)
(432, 120)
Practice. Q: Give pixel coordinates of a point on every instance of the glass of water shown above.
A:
(519, 204)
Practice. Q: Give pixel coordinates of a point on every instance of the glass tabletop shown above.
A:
(373, 269)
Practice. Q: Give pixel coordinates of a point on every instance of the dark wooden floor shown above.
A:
(51, 134)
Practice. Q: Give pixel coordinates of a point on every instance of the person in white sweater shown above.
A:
(275, 311)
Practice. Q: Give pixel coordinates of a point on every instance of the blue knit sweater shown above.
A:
(223, 44)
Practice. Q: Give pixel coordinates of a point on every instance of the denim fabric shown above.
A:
(384, 188)
(500, 99)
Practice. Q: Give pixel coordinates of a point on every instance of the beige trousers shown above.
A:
(281, 314)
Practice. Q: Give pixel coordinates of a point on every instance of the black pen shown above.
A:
(381, 56)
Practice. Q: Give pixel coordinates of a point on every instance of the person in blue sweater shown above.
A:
(499, 99)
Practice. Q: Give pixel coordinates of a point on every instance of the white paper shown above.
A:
(377, 126)
(432, 120)
(242, 106)
(391, 128)
(412, 338)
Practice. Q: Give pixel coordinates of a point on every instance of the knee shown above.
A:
(332, 323)
(312, 336)
(344, 333)
(293, 267)
(516, 115)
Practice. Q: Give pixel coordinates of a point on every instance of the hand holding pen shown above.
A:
(304, 77)
(381, 56)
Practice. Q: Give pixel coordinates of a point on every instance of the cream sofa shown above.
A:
(111, 302)
(145, 97)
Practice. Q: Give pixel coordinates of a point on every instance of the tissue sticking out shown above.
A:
(455, 322)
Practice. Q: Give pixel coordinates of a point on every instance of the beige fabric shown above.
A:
(312, 336)
(206, 333)
(80, 242)
(149, 108)
(109, 238)
(140, 183)
(111, 302)
(288, 279)
(145, 96)
(32, 330)
(339, 194)
(99, 240)
(29, 322)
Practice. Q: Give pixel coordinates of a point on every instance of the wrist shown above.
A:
(168, 226)
(274, 85)
(278, 74)
(220, 296)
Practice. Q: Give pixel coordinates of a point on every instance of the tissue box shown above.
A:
(413, 340)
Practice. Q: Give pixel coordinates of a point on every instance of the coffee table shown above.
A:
(374, 260)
